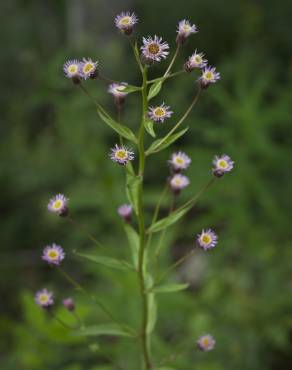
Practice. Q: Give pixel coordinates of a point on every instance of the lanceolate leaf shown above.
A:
(132, 187)
(133, 239)
(105, 329)
(152, 306)
(154, 90)
(120, 129)
(148, 124)
(129, 89)
(169, 288)
(163, 143)
(107, 261)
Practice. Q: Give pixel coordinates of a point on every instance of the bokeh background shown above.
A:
(53, 141)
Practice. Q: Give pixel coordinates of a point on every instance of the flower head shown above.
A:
(121, 154)
(44, 298)
(206, 343)
(222, 164)
(69, 304)
(159, 113)
(179, 161)
(125, 211)
(59, 204)
(71, 69)
(153, 49)
(125, 22)
(88, 68)
(207, 239)
(178, 182)
(184, 30)
(196, 60)
(209, 76)
(116, 90)
(53, 254)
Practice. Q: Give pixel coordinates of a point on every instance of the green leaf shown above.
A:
(162, 143)
(132, 187)
(133, 239)
(129, 89)
(148, 124)
(120, 129)
(154, 90)
(107, 261)
(165, 368)
(152, 306)
(169, 288)
(104, 329)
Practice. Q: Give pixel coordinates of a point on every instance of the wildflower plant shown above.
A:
(133, 153)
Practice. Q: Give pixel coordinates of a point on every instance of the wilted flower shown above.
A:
(59, 204)
(222, 164)
(53, 254)
(125, 22)
(116, 90)
(207, 239)
(69, 304)
(88, 68)
(44, 298)
(159, 113)
(179, 161)
(196, 60)
(71, 69)
(178, 182)
(125, 211)
(184, 30)
(209, 76)
(121, 154)
(153, 49)
(206, 343)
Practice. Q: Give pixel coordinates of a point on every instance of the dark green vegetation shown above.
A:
(52, 141)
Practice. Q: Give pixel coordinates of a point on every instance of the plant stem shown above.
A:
(141, 267)
(166, 77)
(172, 61)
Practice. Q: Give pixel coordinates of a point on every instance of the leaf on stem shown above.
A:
(104, 329)
(152, 306)
(133, 239)
(148, 124)
(154, 90)
(120, 129)
(163, 143)
(130, 89)
(132, 186)
(107, 261)
(169, 288)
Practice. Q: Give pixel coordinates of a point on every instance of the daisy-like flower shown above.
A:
(179, 161)
(206, 343)
(71, 69)
(116, 90)
(44, 298)
(88, 68)
(59, 204)
(196, 60)
(53, 254)
(69, 304)
(222, 164)
(121, 154)
(207, 239)
(209, 76)
(184, 30)
(125, 22)
(154, 49)
(159, 113)
(125, 211)
(178, 182)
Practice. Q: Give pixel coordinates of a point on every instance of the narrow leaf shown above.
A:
(148, 124)
(104, 329)
(162, 143)
(132, 187)
(107, 261)
(169, 288)
(129, 89)
(133, 239)
(154, 90)
(120, 129)
(152, 306)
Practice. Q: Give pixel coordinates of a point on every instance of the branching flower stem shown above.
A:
(166, 77)
(172, 60)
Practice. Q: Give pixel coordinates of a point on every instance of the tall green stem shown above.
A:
(142, 236)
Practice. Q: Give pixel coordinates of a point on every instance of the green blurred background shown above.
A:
(53, 141)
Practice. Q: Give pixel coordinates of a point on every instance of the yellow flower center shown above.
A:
(198, 59)
(206, 238)
(159, 112)
(179, 160)
(205, 342)
(222, 163)
(121, 154)
(186, 28)
(73, 68)
(44, 298)
(53, 254)
(88, 67)
(126, 20)
(153, 48)
(58, 204)
(177, 182)
(209, 75)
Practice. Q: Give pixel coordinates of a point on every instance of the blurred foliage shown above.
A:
(53, 141)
